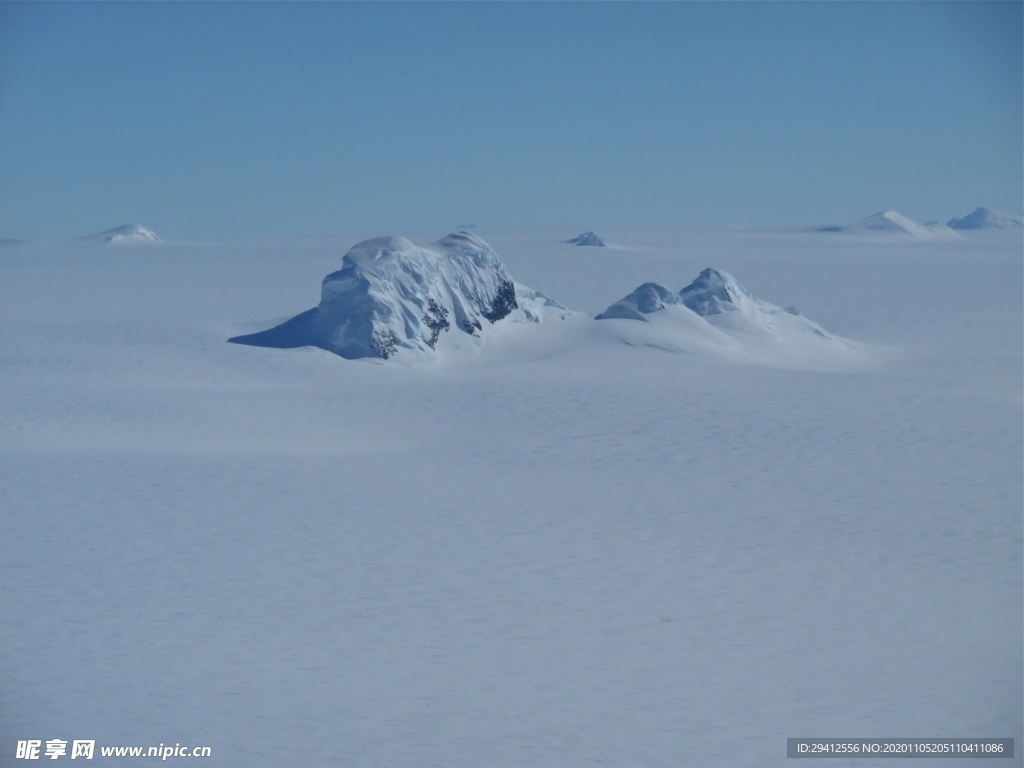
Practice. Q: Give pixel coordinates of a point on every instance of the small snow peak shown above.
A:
(715, 314)
(987, 218)
(588, 239)
(648, 298)
(126, 233)
(713, 292)
(889, 220)
(713, 275)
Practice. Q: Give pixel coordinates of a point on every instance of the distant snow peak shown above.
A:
(126, 233)
(986, 218)
(587, 238)
(131, 232)
(889, 221)
(892, 223)
(391, 296)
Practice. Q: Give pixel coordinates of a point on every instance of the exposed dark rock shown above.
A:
(436, 319)
(504, 302)
(383, 343)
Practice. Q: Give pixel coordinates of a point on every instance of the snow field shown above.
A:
(559, 550)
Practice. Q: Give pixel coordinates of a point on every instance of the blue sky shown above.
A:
(251, 119)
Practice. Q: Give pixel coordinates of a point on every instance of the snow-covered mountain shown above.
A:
(126, 233)
(391, 296)
(891, 223)
(986, 218)
(721, 300)
(587, 238)
(716, 314)
(648, 298)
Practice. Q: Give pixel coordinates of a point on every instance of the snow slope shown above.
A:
(126, 233)
(560, 551)
(986, 218)
(390, 296)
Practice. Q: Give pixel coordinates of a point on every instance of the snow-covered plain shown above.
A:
(557, 549)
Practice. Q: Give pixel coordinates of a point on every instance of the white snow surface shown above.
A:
(986, 218)
(390, 296)
(893, 223)
(559, 550)
(126, 233)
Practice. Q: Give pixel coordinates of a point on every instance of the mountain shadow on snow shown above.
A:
(391, 296)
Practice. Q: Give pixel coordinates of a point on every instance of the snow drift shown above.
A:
(391, 296)
(986, 218)
(126, 233)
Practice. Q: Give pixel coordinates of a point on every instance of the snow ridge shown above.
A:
(392, 296)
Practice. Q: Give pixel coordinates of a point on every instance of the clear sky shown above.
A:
(249, 119)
